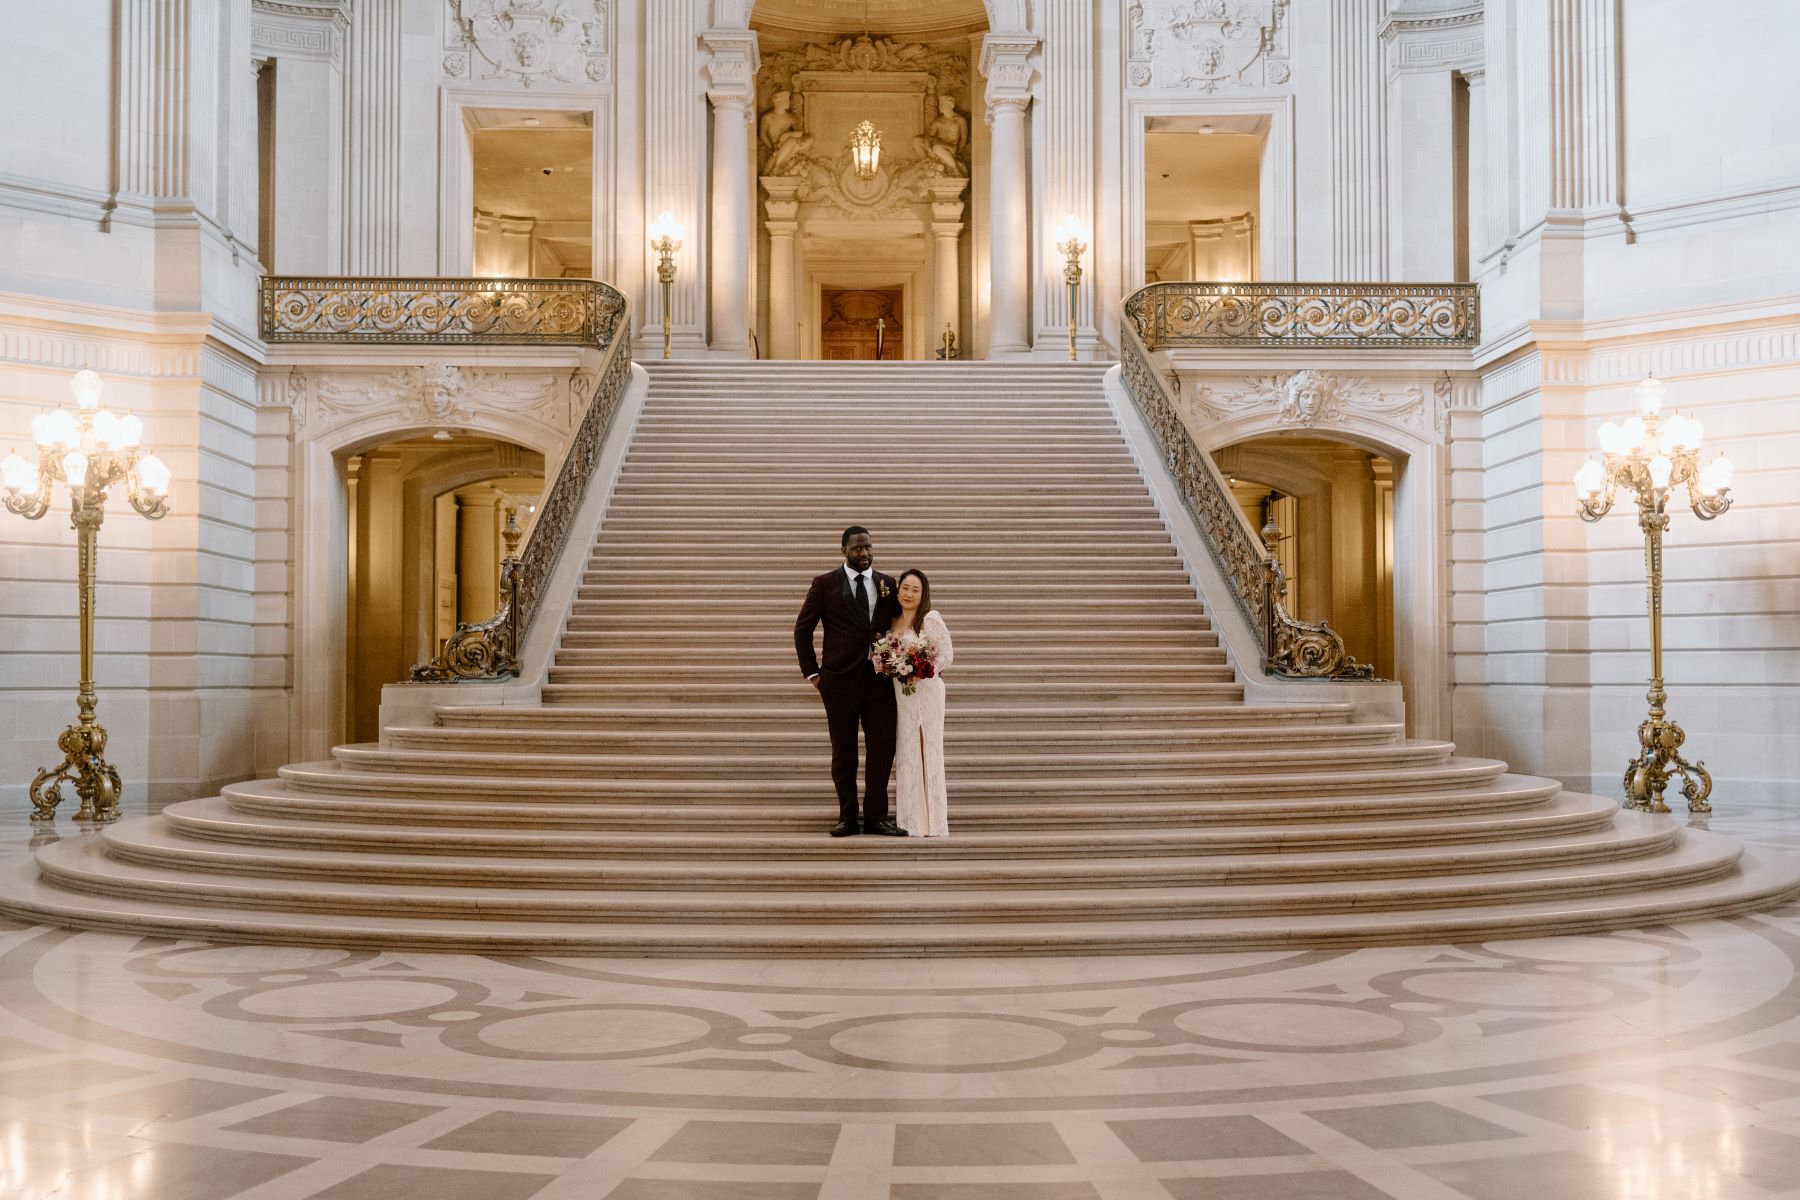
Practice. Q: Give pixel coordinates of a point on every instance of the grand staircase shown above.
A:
(1110, 789)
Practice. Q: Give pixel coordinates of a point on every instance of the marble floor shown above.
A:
(1657, 1063)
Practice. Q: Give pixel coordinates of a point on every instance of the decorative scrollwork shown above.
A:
(1291, 647)
(1306, 314)
(440, 311)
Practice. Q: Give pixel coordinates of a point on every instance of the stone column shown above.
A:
(1005, 60)
(784, 318)
(946, 233)
(308, 50)
(733, 65)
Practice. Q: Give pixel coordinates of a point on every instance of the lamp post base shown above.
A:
(1649, 774)
(95, 780)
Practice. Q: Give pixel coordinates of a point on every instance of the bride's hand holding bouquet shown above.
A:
(906, 657)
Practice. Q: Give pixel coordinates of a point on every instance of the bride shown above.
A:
(919, 791)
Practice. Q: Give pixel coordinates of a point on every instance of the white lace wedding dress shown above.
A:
(920, 803)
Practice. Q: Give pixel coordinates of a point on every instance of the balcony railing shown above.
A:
(441, 312)
(1291, 647)
(1303, 315)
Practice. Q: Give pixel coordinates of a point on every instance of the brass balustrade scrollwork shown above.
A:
(1338, 315)
(567, 312)
(440, 311)
(1291, 647)
(490, 649)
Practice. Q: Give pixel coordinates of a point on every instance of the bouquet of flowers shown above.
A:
(907, 656)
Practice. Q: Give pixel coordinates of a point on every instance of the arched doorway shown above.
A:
(424, 520)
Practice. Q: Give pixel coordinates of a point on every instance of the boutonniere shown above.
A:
(886, 591)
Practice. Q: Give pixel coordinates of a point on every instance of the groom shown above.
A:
(857, 604)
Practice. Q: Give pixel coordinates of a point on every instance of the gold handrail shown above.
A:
(1298, 315)
(440, 311)
(1290, 647)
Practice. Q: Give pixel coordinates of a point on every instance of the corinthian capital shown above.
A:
(1006, 63)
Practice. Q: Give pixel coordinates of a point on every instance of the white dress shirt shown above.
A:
(868, 578)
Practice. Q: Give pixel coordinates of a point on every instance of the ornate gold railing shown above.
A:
(437, 312)
(1336, 315)
(1291, 647)
(490, 649)
(440, 311)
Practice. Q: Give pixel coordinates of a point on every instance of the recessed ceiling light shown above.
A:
(442, 435)
(1206, 129)
(529, 121)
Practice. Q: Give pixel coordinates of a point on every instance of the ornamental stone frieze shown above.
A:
(437, 394)
(288, 29)
(1311, 398)
(528, 41)
(1205, 45)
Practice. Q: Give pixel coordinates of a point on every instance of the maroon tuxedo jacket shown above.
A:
(848, 634)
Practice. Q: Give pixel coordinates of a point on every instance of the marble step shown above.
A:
(322, 794)
(231, 846)
(548, 794)
(751, 665)
(1759, 881)
(805, 737)
(626, 692)
(1152, 720)
(796, 833)
(85, 864)
(771, 762)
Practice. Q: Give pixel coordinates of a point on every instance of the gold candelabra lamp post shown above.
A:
(1652, 456)
(89, 450)
(1072, 241)
(665, 238)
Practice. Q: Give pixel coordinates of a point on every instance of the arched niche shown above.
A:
(1397, 416)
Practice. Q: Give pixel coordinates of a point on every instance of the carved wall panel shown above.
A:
(1207, 45)
(917, 94)
(435, 394)
(529, 41)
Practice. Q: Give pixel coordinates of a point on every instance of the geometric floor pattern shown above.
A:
(1648, 1064)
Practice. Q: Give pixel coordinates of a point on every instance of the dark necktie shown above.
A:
(862, 600)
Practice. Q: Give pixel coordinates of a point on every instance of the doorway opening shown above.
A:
(534, 193)
(862, 324)
(424, 516)
(1333, 503)
(1203, 198)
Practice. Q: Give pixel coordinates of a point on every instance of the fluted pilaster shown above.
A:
(674, 147)
(1359, 152)
(1582, 81)
(154, 148)
(1067, 113)
(372, 139)
(731, 72)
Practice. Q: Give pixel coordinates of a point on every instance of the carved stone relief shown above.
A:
(795, 79)
(436, 393)
(529, 41)
(1206, 45)
(1309, 398)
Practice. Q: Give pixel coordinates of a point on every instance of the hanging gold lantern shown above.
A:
(865, 150)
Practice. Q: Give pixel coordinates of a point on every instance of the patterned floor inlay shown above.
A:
(1654, 1064)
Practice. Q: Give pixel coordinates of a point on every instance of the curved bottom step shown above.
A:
(1758, 881)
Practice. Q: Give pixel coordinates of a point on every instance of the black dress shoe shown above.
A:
(845, 829)
(887, 829)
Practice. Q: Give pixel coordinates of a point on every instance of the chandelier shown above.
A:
(865, 150)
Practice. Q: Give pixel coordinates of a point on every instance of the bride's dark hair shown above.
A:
(918, 621)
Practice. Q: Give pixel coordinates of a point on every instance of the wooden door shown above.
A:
(856, 320)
